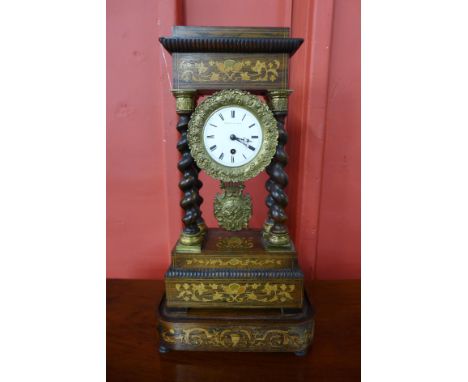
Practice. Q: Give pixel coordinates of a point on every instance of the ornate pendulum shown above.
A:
(233, 209)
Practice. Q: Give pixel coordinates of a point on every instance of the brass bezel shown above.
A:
(267, 123)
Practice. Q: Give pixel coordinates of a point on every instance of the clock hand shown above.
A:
(241, 140)
(244, 141)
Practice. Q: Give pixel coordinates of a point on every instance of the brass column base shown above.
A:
(277, 242)
(190, 243)
(236, 330)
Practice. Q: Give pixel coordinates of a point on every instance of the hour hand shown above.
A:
(241, 140)
(244, 141)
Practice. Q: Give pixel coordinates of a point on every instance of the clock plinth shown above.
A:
(233, 289)
(234, 270)
(259, 330)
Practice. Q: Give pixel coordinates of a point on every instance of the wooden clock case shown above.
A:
(233, 290)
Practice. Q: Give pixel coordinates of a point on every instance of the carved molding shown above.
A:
(231, 44)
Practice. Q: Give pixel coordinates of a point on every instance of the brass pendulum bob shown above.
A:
(233, 209)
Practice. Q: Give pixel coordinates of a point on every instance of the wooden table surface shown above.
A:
(132, 341)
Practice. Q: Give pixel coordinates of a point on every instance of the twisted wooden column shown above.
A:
(192, 235)
(275, 230)
(199, 184)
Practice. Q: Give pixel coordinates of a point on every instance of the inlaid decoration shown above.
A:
(235, 292)
(215, 70)
(232, 262)
(241, 337)
(230, 70)
(234, 242)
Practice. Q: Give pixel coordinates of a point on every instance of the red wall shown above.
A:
(143, 217)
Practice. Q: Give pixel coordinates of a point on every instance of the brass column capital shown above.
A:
(185, 100)
(278, 100)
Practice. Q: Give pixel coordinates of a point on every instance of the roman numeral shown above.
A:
(212, 148)
(244, 116)
(252, 125)
(232, 158)
(252, 148)
(213, 125)
(221, 156)
(221, 116)
(212, 136)
(254, 136)
(233, 114)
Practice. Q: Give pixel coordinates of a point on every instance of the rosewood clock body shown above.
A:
(233, 289)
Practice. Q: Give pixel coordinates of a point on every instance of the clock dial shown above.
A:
(232, 136)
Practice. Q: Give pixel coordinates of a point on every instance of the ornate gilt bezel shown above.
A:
(256, 107)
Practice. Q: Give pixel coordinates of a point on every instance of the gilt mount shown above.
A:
(257, 108)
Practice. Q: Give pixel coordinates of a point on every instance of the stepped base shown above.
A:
(234, 270)
(236, 330)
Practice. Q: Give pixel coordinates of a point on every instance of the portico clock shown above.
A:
(235, 133)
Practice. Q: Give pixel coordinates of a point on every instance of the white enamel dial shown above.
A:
(232, 136)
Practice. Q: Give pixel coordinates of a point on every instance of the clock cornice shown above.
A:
(231, 44)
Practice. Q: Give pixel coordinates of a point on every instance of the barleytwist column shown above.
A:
(192, 234)
(199, 184)
(275, 230)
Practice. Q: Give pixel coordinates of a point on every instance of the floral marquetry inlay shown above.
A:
(214, 70)
(235, 292)
(234, 242)
(234, 261)
(244, 337)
